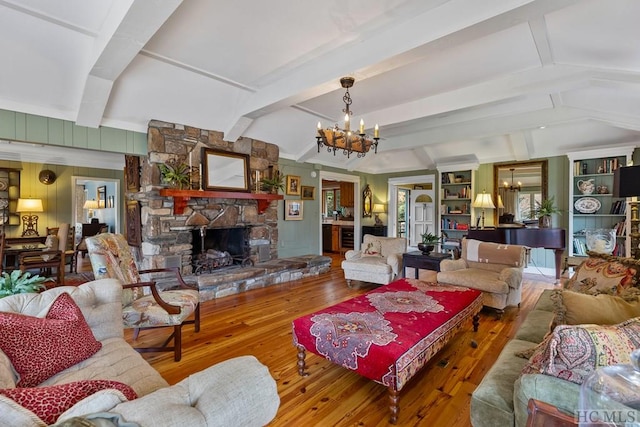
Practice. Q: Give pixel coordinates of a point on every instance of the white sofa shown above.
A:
(239, 391)
(378, 261)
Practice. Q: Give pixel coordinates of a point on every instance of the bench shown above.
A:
(390, 333)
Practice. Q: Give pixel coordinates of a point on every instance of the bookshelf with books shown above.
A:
(591, 201)
(455, 198)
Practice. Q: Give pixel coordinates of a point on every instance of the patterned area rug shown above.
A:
(72, 279)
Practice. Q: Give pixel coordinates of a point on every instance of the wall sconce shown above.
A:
(29, 221)
(378, 208)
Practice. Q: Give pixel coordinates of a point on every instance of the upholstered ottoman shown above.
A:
(390, 333)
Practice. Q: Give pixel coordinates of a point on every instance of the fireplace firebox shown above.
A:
(215, 248)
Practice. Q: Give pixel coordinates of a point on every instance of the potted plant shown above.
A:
(429, 241)
(18, 282)
(544, 210)
(176, 175)
(273, 184)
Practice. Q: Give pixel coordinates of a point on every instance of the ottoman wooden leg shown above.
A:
(301, 363)
(394, 398)
(476, 322)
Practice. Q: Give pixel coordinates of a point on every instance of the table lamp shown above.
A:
(626, 183)
(90, 205)
(483, 201)
(378, 208)
(29, 221)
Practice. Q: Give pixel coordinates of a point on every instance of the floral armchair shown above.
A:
(144, 306)
(378, 261)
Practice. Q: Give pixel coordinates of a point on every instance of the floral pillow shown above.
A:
(573, 352)
(48, 403)
(606, 274)
(373, 248)
(39, 347)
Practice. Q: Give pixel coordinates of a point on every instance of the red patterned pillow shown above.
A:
(48, 403)
(573, 352)
(41, 347)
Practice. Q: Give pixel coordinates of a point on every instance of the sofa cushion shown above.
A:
(63, 336)
(475, 278)
(606, 274)
(375, 265)
(372, 248)
(573, 352)
(48, 403)
(573, 308)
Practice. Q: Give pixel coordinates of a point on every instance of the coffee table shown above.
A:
(418, 260)
(390, 333)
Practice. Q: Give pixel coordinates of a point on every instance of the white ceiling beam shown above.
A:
(519, 146)
(127, 29)
(422, 154)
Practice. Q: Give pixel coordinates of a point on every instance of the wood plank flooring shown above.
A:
(259, 323)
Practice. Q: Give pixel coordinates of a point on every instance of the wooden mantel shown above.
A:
(180, 197)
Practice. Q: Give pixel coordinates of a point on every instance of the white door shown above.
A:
(423, 213)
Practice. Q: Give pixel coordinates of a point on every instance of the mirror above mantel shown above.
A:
(517, 186)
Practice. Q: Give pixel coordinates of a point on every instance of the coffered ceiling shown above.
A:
(446, 80)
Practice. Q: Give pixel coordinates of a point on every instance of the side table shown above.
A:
(418, 260)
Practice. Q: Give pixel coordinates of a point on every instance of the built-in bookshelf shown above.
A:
(591, 201)
(9, 194)
(456, 196)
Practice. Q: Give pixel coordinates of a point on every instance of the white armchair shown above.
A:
(378, 261)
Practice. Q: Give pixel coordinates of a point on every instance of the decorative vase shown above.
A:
(425, 248)
(544, 221)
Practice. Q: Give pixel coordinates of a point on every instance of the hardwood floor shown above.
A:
(259, 323)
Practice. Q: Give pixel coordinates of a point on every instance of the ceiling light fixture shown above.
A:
(344, 139)
(512, 187)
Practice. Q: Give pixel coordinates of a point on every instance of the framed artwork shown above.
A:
(367, 202)
(293, 185)
(102, 197)
(133, 223)
(308, 192)
(293, 210)
(224, 170)
(132, 173)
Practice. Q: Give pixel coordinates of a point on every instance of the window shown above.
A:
(330, 201)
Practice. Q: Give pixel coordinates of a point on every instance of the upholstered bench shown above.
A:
(390, 333)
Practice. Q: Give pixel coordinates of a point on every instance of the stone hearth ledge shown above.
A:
(233, 281)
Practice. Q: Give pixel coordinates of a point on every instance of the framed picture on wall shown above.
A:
(133, 223)
(293, 185)
(308, 192)
(132, 173)
(293, 210)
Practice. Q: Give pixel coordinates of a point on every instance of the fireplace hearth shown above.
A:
(216, 248)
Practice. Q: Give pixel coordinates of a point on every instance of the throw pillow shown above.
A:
(41, 347)
(606, 274)
(574, 308)
(48, 403)
(373, 248)
(573, 352)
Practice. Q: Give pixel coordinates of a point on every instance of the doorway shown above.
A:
(418, 215)
(104, 193)
(357, 204)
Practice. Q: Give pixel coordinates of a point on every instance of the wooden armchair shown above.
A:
(144, 305)
(52, 257)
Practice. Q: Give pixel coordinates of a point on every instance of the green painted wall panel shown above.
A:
(113, 140)
(37, 129)
(55, 132)
(21, 127)
(7, 124)
(80, 137)
(93, 139)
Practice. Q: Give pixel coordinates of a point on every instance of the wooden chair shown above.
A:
(69, 246)
(50, 258)
(111, 257)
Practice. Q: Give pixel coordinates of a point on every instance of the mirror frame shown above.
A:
(210, 177)
(544, 164)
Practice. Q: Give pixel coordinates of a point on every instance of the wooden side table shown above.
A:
(418, 260)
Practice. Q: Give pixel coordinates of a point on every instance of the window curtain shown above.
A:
(510, 202)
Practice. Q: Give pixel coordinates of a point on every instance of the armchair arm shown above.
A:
(395, 261)
(453, 264)
(170, 308)
(512, 276)
(352, 254)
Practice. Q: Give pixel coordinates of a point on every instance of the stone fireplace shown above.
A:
(169, 238)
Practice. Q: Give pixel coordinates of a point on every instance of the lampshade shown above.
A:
(483, 200)
(90, 204)
(29, 205)
(500, 204)
(626, 181)
(378, 208)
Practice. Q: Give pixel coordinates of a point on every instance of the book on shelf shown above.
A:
(619, 207)
(581, 167)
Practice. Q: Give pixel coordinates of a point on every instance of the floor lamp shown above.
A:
(483, 201)
(29, 221)
(626, 183)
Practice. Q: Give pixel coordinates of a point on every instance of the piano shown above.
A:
(548, 238)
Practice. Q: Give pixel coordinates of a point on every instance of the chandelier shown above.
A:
(512, 187)
(344, 139)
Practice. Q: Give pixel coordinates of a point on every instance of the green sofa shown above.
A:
(502, 396)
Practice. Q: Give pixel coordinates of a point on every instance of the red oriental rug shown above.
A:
(390, 333)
